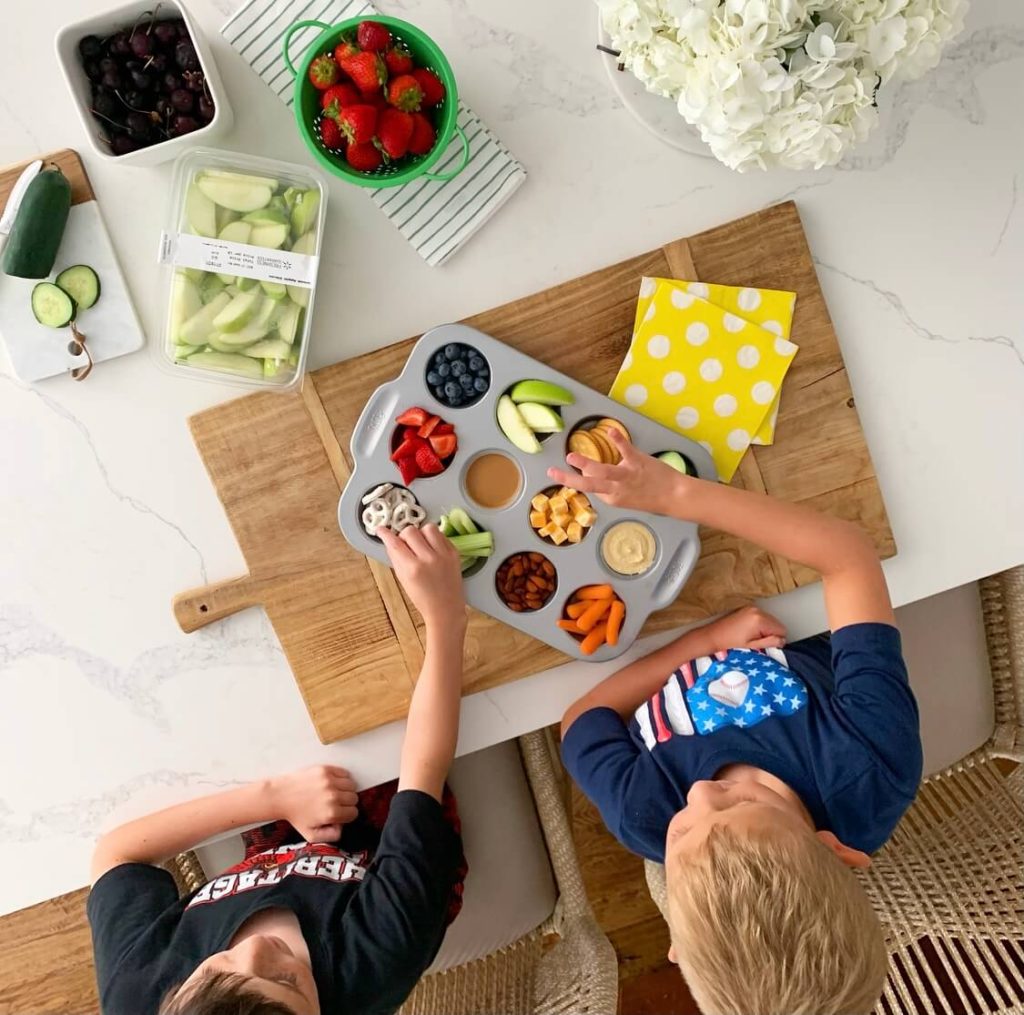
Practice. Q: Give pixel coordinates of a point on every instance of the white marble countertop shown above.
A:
(108, 710)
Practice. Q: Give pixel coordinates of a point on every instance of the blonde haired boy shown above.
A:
(759, 775)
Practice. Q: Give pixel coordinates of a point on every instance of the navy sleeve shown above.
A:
(599, 754)
(393, 927)
(872, 691)
(123, 904)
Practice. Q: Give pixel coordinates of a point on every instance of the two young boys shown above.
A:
(758, 776)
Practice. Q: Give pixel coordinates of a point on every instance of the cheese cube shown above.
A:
(574, 531)
(586, 518)
(567, 492)
(540, 502)
(547, 530)
(538, 519)
(561, 518)
(558, 504)
(559, 536)
(578, 502)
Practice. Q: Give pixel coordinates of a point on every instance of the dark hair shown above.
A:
(221, 994)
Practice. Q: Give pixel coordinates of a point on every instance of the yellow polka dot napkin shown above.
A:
(704, 370)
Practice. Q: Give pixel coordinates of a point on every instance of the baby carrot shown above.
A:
(575, 609)
(593, 641)
(615, 615)
(570, 626)
(595, 592)
(597, 609)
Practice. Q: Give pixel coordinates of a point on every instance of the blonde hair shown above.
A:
(773, 924)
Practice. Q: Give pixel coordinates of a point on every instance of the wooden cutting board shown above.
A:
(278, 463)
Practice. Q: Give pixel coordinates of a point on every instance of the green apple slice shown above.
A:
(227, 363)
(224, 217)
(541, 418)
(236, 232)
(288, 321)
(237, 314)
(514, 427)
(676, 461)
(269, 348)
(275, 290)
(230, 175)
(273, 235)
(304, 209)
(185, 301)
(200, 211)
(269, 216)
(543, 392)
(236, 193)
(198, 328)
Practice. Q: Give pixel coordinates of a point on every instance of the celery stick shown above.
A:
(477, 544)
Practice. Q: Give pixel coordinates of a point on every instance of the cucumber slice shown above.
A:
(238, 194)
(52, 306)
(199, 327)
(200, 211)
(271, 236)
(238, 312)
(269, 348)
(185, 301)
(288, 321)
(236, 232)
(81, 283)
(227, 363)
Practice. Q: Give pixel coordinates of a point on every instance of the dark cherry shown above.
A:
(140, 44)
(206, 108)
(166, 32)
(104, 102)
(92, 70)
(122, 144)
(111, 79)
(141, 80)
(195, 81)
(157, 63)
(185, 55)
(181, 28)
(183, 125)
(90, 48)
(172, 81)
(182, 100)
(108, 63)
(164, 107)
(118, 44)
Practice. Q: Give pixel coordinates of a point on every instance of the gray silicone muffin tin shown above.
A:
(476, 427)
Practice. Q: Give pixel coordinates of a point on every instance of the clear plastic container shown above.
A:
(242, 246)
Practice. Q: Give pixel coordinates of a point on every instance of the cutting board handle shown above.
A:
(198, 607)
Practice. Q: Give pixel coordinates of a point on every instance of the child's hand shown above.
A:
(638, 481)
(748, 627)
(427, 565)
(316, 801)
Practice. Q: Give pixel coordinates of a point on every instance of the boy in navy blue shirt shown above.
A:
(757, 774)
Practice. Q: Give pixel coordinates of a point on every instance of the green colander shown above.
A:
(425, 53)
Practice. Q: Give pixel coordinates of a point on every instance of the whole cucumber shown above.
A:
(38, 226)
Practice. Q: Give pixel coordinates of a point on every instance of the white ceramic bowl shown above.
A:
(106, 24)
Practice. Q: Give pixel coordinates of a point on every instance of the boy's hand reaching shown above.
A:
(638, 481)
(427, 565)
(748, 627)
(316, 801)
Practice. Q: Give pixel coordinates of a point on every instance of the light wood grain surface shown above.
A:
(353, 641)
(70, 165)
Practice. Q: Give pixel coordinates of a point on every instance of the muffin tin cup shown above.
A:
(477, 430)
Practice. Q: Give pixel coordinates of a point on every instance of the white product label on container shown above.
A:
(186, 250)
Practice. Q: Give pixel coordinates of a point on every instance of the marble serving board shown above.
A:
(354, 643)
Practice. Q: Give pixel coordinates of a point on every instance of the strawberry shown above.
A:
(366, 70)
(428, 426)
(444, 445)
(409, 469)
(372, 36)
(345, 51)
(330, 133)
(365, 157)
(433, 90)
(406, 449)
(423, 135)
(427, 462)
(358, 123)
(405, 93)
(413, 417)
(410, 431)
(338, 96)
(443, 428)
(394, 129)
(323, 72)
(398, 60)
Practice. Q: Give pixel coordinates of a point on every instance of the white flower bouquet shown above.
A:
(788, 83)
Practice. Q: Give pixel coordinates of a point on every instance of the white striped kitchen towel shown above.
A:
(436, 218)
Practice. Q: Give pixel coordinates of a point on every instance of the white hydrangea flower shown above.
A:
(779, 82)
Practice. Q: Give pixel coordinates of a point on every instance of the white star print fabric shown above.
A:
(738, 688)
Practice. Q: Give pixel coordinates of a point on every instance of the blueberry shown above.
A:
(434, 378)
(444, 369)
(452, 390)
(480, 384)
(476, 364)
(458, 368)
(455, 402)
(438, 357)
(439, 393)
(466, 381)
(451, 351)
